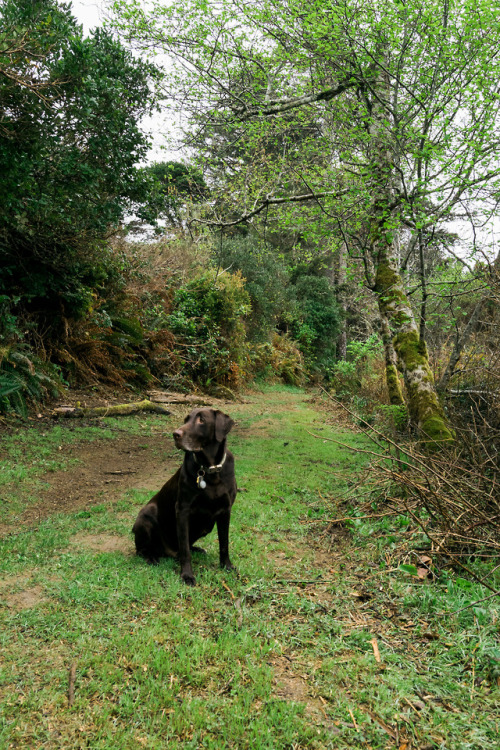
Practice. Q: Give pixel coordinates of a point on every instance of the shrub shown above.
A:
(350, 376)
(279, 359)
(316, 321)
(266, 281)
(208, 320)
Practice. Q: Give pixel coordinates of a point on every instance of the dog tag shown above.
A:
(201, 482)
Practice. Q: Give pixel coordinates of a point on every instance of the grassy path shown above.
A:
(316, 644)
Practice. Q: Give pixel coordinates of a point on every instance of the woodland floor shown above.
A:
(321, 641)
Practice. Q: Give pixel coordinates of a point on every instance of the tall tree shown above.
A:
(408, 97)
(69, 141)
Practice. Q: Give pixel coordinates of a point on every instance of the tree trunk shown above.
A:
(413, 360)
(341, 277)
(114, 410)
(396, 397)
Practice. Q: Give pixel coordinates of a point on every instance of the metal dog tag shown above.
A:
(200, 481)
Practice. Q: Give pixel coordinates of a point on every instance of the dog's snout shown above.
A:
(177, 434)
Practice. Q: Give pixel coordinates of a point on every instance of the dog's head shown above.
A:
(201, 428)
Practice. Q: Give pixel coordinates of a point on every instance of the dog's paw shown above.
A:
(229, 566)
(152, 560)
(188, 579)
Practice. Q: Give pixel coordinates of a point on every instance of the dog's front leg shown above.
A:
(223, 533)
(187, 574)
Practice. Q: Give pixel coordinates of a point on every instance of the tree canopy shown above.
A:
(69, 144)
(405, 102)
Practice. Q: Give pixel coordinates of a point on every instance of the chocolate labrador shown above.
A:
(199, 495)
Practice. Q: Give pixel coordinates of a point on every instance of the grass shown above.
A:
(280, 657)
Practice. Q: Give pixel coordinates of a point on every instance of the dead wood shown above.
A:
(71, 684)
(115, 410)
(169, 397)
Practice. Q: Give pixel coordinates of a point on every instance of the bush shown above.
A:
(316, 321)
(208, 321)
(350, 376)
(266, 281)
(279, 359)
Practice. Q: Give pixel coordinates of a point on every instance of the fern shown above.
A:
(24, 381)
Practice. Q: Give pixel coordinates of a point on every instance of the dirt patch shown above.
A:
(103, 543)
(25, 599)
(291, 685)
(105, 470)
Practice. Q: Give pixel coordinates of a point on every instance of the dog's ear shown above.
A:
(223, 424)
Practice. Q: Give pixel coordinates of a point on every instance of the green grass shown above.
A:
(279, 657)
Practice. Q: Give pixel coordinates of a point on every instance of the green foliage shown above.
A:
(347, 375)
(68, 146)
(172, 184)
(267, 282)
(208, 319)
(317, 321)
(351, 124)
(279, 359)
(394, 415)
(25, 380)
(301, 302)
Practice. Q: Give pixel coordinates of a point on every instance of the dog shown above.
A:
(199, 495)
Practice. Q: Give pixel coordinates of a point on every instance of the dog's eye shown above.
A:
(200, 419)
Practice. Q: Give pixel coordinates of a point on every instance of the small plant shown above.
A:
(279, 359)
(393, 415)
(350, 375)
(25, 380)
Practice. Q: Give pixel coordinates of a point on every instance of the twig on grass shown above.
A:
(71, 684)
(335, 521)
(308, 583)
(388, 729)
(120, 473)
(229, 590)
(354, 721)
(376, 652)
(473, 604)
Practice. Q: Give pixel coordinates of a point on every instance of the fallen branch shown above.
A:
(71, 684)
(120, 473)
(376, 651)
(336, 521)
(170, 397)
(115, 410)
(473, 604)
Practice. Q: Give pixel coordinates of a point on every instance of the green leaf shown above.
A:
(409, 570)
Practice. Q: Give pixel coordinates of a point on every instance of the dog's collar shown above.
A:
(211, 469)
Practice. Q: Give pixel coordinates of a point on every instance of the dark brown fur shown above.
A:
(182, 511)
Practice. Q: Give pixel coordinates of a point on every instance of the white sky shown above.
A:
(88, 13)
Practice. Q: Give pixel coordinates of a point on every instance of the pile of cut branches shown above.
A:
(452, 495)
(461, 498)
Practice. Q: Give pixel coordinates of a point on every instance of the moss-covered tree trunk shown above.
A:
(413, 360)
(396, 397)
